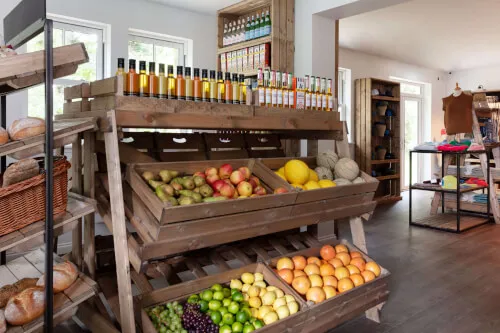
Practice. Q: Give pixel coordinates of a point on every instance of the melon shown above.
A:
(327, 159)
(346, 168)
(358, 180)
(324, 173)
(342, 182)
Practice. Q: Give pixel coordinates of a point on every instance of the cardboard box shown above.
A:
(251, 63)
(244, 59)
(228, 62)
(265, 55)
(234, 61)
(256, 57)
(223, 63)
(239, 60)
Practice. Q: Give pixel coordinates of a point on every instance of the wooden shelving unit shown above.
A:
(159, 246)
(368, 139)
(281, 39)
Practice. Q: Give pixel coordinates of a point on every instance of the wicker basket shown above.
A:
(23, 203)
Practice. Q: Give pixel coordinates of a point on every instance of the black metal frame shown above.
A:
(458, 191)
(24, 22)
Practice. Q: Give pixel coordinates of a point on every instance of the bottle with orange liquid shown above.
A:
(132, 85)
(228, 89)
(180, 85)
(153, 81)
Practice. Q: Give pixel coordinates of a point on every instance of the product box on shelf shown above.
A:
(251, 62)
(234, 61)
(223, 63)
(239, 60)
(228, 62)
(181, 292)
(244, 61)
(256, 57)
(265, 55)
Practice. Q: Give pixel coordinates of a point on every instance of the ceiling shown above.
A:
(447, 35)
(200, 6)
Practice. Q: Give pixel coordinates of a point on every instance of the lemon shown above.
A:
(326, 183)
(299, 186)
(313, 175)
(281, 171)
(281, 176)
(296, 172)
(311, 185)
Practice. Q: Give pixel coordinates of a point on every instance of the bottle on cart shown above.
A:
(247, 29)
(267, 24)
(291, 91)
(243, 89)
(213, 87)
(171, 83)
(228, 89)
(197, 85)
(120, 71)
(132, 85)
(143, 80)
(284, 90)
(224, 36)
(235, 87)
(257, 26)
(331, 103)
(267, 84)
(262, 25)
(205, 86)
(220, 88)
(279, 90)
(252, 28)
(261, 89)
(180, 85)
(153, 81)
(189, 84)
(162, 82)
(324, 98)
(274, 90)
(307, 93)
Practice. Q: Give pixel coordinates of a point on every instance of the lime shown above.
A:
(228, 319)
(203, 306)
(234, 307)
(237, 327)
(225, 329)
(226, 302)
(193, 299)
(258, 324)
(214, 305)
(223, 310)
(247, 311)
(237, 296)
(244, 304)
(209, 312)
(242, 317)
(216, 287)
(216, 317)
(207, 295)
(218, 295)
(227, 292)
(248, 328)
(234, 291)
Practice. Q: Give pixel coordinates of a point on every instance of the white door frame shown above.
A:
(420, 135)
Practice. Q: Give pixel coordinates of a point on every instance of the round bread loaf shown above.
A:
(64, 275)
(25, 306)
(26, 128)
(4, 136)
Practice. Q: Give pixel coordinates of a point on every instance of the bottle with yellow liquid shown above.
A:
(213, 87)
(243, 89)
(143, 80)
(189, 84)
(291, 92)
(180, 85)
(267, 84)
(162, 82)
(120, 71)
(274, 90)
(331, 103)
(261, 89)
(171, 83)
(235, 87)
(324, 97)
(279, 90)
(317, 86)
(284, 90)
(312, 90)
(307, 93)
(220, 88)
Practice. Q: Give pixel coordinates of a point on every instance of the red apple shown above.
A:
(227, 190)
(212, 178)
(255, 179)
(237, 177)
(252, 182)
(216, 194)
(217, 185)
(211, 171)
(245, 189)
(245, 171)
(259, 190)
(280, 190)
(200, 174)
(225, 171)
(227, 181)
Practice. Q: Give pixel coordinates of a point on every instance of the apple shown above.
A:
(200, 174)
(211, 171)
(280, 190)
(212, 178)
(227, 190)
(245, 171)
(255, 179)
(242, 197)
(252, 182)
(216, 194)
(253, 196)
(228, 181)
(235, 196)
(259, 190)
(225, 171)
(237, 177)
(245, 189)
(217, 185)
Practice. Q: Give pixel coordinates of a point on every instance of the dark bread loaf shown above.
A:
(25, 306)
(20, 171)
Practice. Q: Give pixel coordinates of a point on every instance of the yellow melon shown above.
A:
(281, 175)
(313, 175)
(296, 172)
(326, 183)
(311, 185)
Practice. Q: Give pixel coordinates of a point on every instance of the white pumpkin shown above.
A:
(358, 180)
(327, 159)
(346, 168)
(342, 182)
(324, 173)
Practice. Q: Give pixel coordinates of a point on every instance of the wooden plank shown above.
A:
(282, 31)
(357, 121)
(290, 35)
(336, 41)
(104, 87)
(278, 246)
(368, 124)
(242, 45)
(119, 228)
(79, 91)
(141, 282)
(80, 106)
(195, 268)
(128, 154)
(93, 320)
(77, 187)
(89, 255)
(37, 259)
(219, 261)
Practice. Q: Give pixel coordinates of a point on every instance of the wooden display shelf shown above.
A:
(66, 303)
(242, 45)
(385, 161)
(385, 98)
(387, 177)
(449, 222)
(388, 199)
(27, 70)
(446, 190)
(65, 132)
(476, 207)
(33, 234)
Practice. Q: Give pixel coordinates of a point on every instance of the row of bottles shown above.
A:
(240, 31)
(230, 90)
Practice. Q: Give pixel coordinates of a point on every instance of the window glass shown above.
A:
(410, 89)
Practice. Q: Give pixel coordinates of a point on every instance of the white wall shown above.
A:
(470, 79)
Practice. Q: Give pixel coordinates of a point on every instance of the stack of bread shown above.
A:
(24, 301)
(22, 129)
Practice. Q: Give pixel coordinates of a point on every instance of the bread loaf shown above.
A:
(3, 324)
(25, 306)
(19, 171)
(26, 128)
(10, 290)
(64, 275)
(4, 136)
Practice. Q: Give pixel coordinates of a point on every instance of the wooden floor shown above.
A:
(440, 283)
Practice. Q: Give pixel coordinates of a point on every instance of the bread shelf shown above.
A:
(66, 303)
(78, 207)
(385, 98)
(387, 177)
(242, 45)
(27, 70)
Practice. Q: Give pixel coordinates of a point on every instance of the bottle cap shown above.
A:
(179, 70)
(142, 65)
(131, 63)
(197, 72)
(228, 76)
(152, 67)
(170, 69)
(121, 63)
(212, 74)
(235, 77)
(219, 75)
(242, 77)
(204, 73)
(161, 68)
(187, 71)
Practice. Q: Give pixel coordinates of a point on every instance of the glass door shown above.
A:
(411, 136)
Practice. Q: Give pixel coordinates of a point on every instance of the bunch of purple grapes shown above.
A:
(195, 321)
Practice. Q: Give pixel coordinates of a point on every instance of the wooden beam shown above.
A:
(336, 79)
(76, 165)
(89, 192)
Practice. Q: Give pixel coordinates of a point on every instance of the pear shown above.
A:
(188, 184)
(174, 173)
(186, 193)
(176, 180)
(199, 181)
(166, 176)
(176, 186)
(172, 201)
(212, 199)
(148, 175)
(184, 201)
(206, 191)
(154, 184)
(167, 189)
(196, 190)
(197, 197)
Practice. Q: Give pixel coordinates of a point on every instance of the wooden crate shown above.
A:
(165, 213)
(181, 292)
(330, 193)
(345, 306)
(180, 147)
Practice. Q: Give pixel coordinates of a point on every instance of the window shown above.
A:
(411, 89)
(67, 34)
(158, 50)
(344, 98)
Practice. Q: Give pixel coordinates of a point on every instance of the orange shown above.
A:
(329, 292)
(368, 275)
(311, 269)
(299, 262)
(326, 269)
(373, 267)
(336, 262)
(297, 273)
(341, 248)
(358, 262)
(356, 254)
(316, 280)
(341, 273)
(284, 262)
(353, 269)
(286, 274)
(345, 285)
(357, 279)
(314, 260)
(316, 295)
(327, 252)
(301, 284)
(330, 281)
(345, 257)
